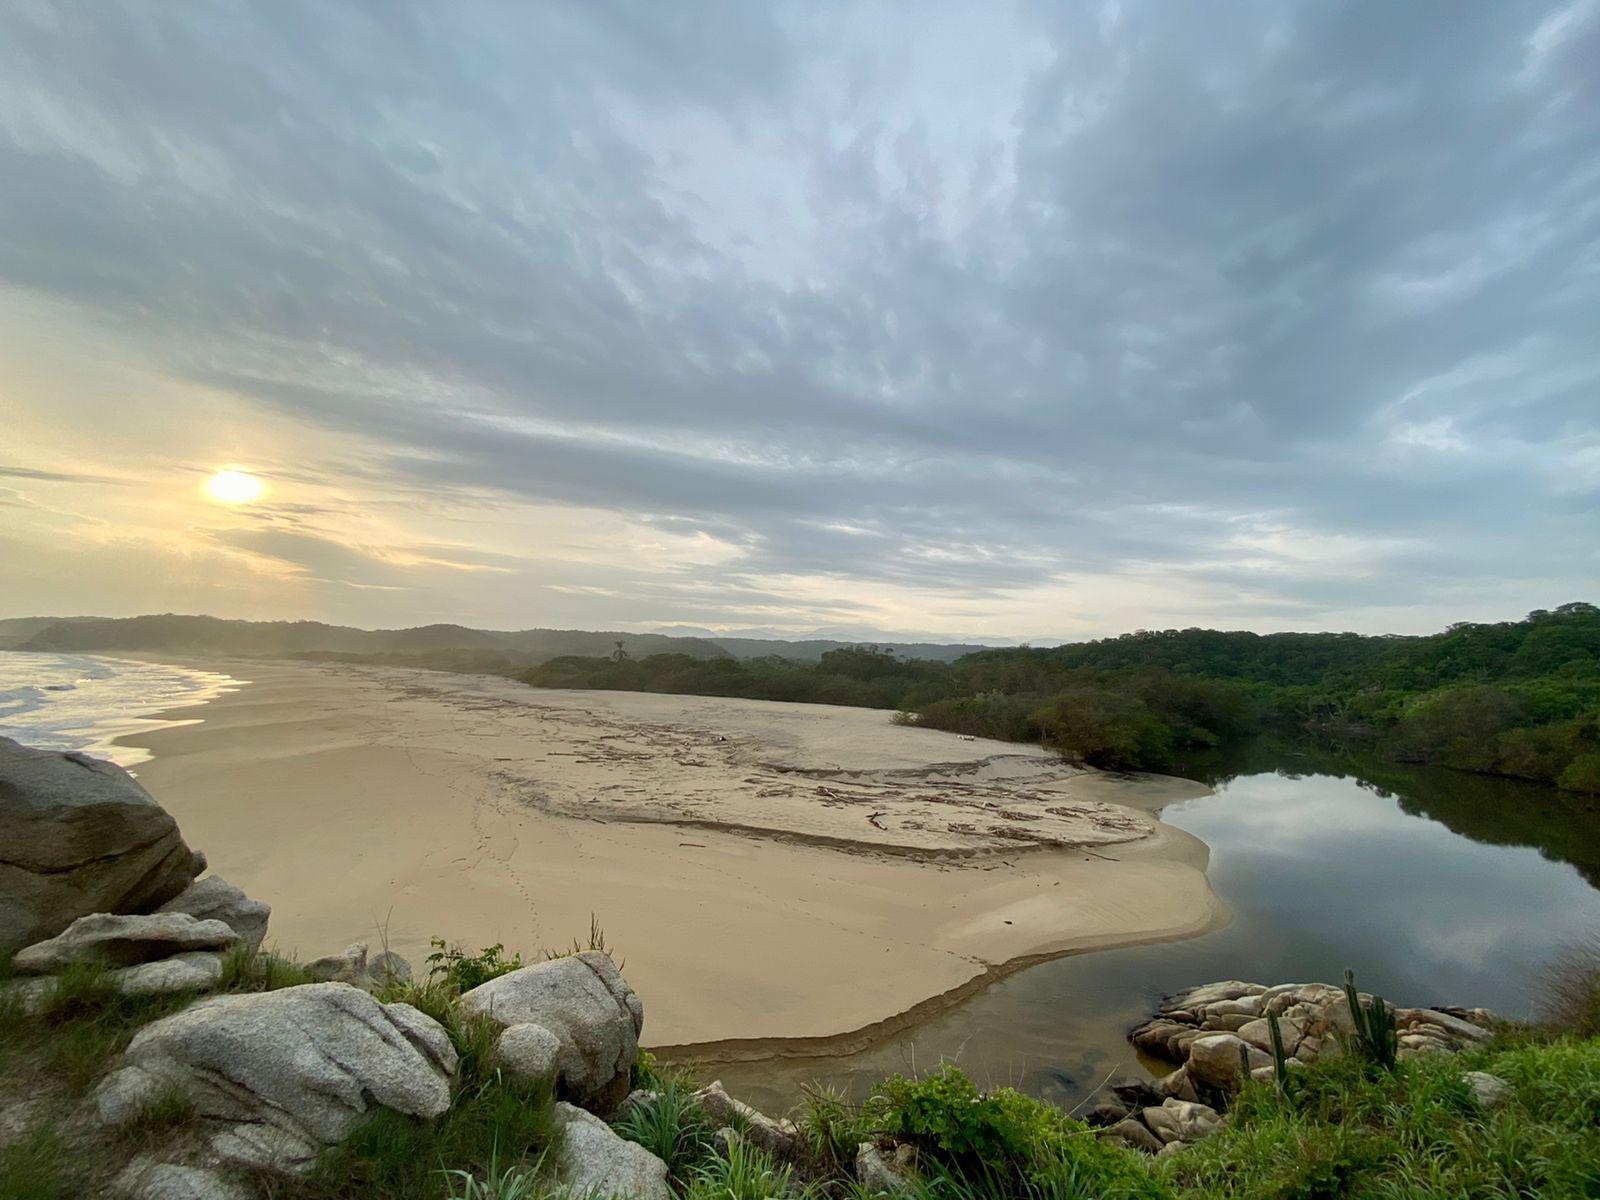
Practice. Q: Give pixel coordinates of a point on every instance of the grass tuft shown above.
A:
(673, 1128)
(246, 970)
(744, 1173)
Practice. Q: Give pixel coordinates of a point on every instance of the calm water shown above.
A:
(1435, 887)
(83, 701)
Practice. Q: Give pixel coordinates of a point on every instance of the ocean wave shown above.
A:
(85, 702)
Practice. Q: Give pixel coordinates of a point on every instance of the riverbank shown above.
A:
(771, 871)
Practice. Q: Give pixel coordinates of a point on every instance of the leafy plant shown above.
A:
(452, 965)
(947, 1114)
(1376, 1037)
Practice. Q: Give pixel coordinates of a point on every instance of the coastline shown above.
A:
(728, 848)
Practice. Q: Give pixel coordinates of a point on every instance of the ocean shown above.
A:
(85, 701)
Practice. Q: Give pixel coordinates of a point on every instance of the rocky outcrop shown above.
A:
(588, 1159)
(115, 940)
(1218, 1031)
(351, 965)
(278, 1076)
(1205, 1028)
(590, 1009)
(779, 1138)
(81, 837)
(215, 899)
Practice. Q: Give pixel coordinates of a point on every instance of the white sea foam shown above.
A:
(85, 701)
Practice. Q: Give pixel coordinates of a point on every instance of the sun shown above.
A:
(235, 487)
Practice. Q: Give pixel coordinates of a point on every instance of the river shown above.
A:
(1434, 886)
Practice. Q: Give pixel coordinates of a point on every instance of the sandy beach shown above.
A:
(771, 874)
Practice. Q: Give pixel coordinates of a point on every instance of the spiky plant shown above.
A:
(1376, 1036)
(1280, 1060)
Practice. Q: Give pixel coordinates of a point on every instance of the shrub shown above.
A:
(452, 965)
(1000, 1143)
(1582, 774)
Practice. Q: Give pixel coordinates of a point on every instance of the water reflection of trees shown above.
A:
(1562, 826)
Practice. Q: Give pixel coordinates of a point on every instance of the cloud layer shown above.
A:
(1034, 321)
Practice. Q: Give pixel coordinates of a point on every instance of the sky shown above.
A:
(1035, 321)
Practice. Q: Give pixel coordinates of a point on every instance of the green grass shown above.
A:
(832, 1127)
(84, 1022)
(42, 1166)
(161, 1122)
(1415, 1133)
(673, 1128)
(743, 1173)
(246, 970)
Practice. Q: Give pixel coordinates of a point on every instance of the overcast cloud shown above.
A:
(1024, 321)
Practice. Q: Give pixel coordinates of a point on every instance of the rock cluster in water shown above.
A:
(1217, 1031)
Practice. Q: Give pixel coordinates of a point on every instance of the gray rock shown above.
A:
(278, 1076)
(146, 1179)
(1245, 1006)
(1133, 1134)
(1432, 1022)
(1171, 1148)
(1155, 1037)
(1259, 1034)
(528, 1054)
(1214, 1059)
(1107, 1112)
(1135, 1093)
(348, 966)
(29, 995)
(591, 1160)
(1489, 1090)
(1182, 1121)
(639, 1098)
(81, 837)
(779, 1138)
(215, 899)
(115, 940)
(1178, 1084)
(19, 1118)
(196, 971)
(590, 1008)
(388, 967)
(1212, 993)
(875, 1173)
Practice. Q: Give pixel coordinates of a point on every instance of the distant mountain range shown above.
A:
(174, 633)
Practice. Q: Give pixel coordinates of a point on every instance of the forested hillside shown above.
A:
(1517, 698)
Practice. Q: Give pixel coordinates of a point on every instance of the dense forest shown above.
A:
(1517, 698)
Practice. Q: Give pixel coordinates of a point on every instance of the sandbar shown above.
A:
(768, 873)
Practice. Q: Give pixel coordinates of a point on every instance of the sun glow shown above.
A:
(235, 487)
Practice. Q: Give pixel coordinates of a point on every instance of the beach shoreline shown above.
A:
(779, 878)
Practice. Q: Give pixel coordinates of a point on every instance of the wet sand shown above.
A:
(773, 876)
